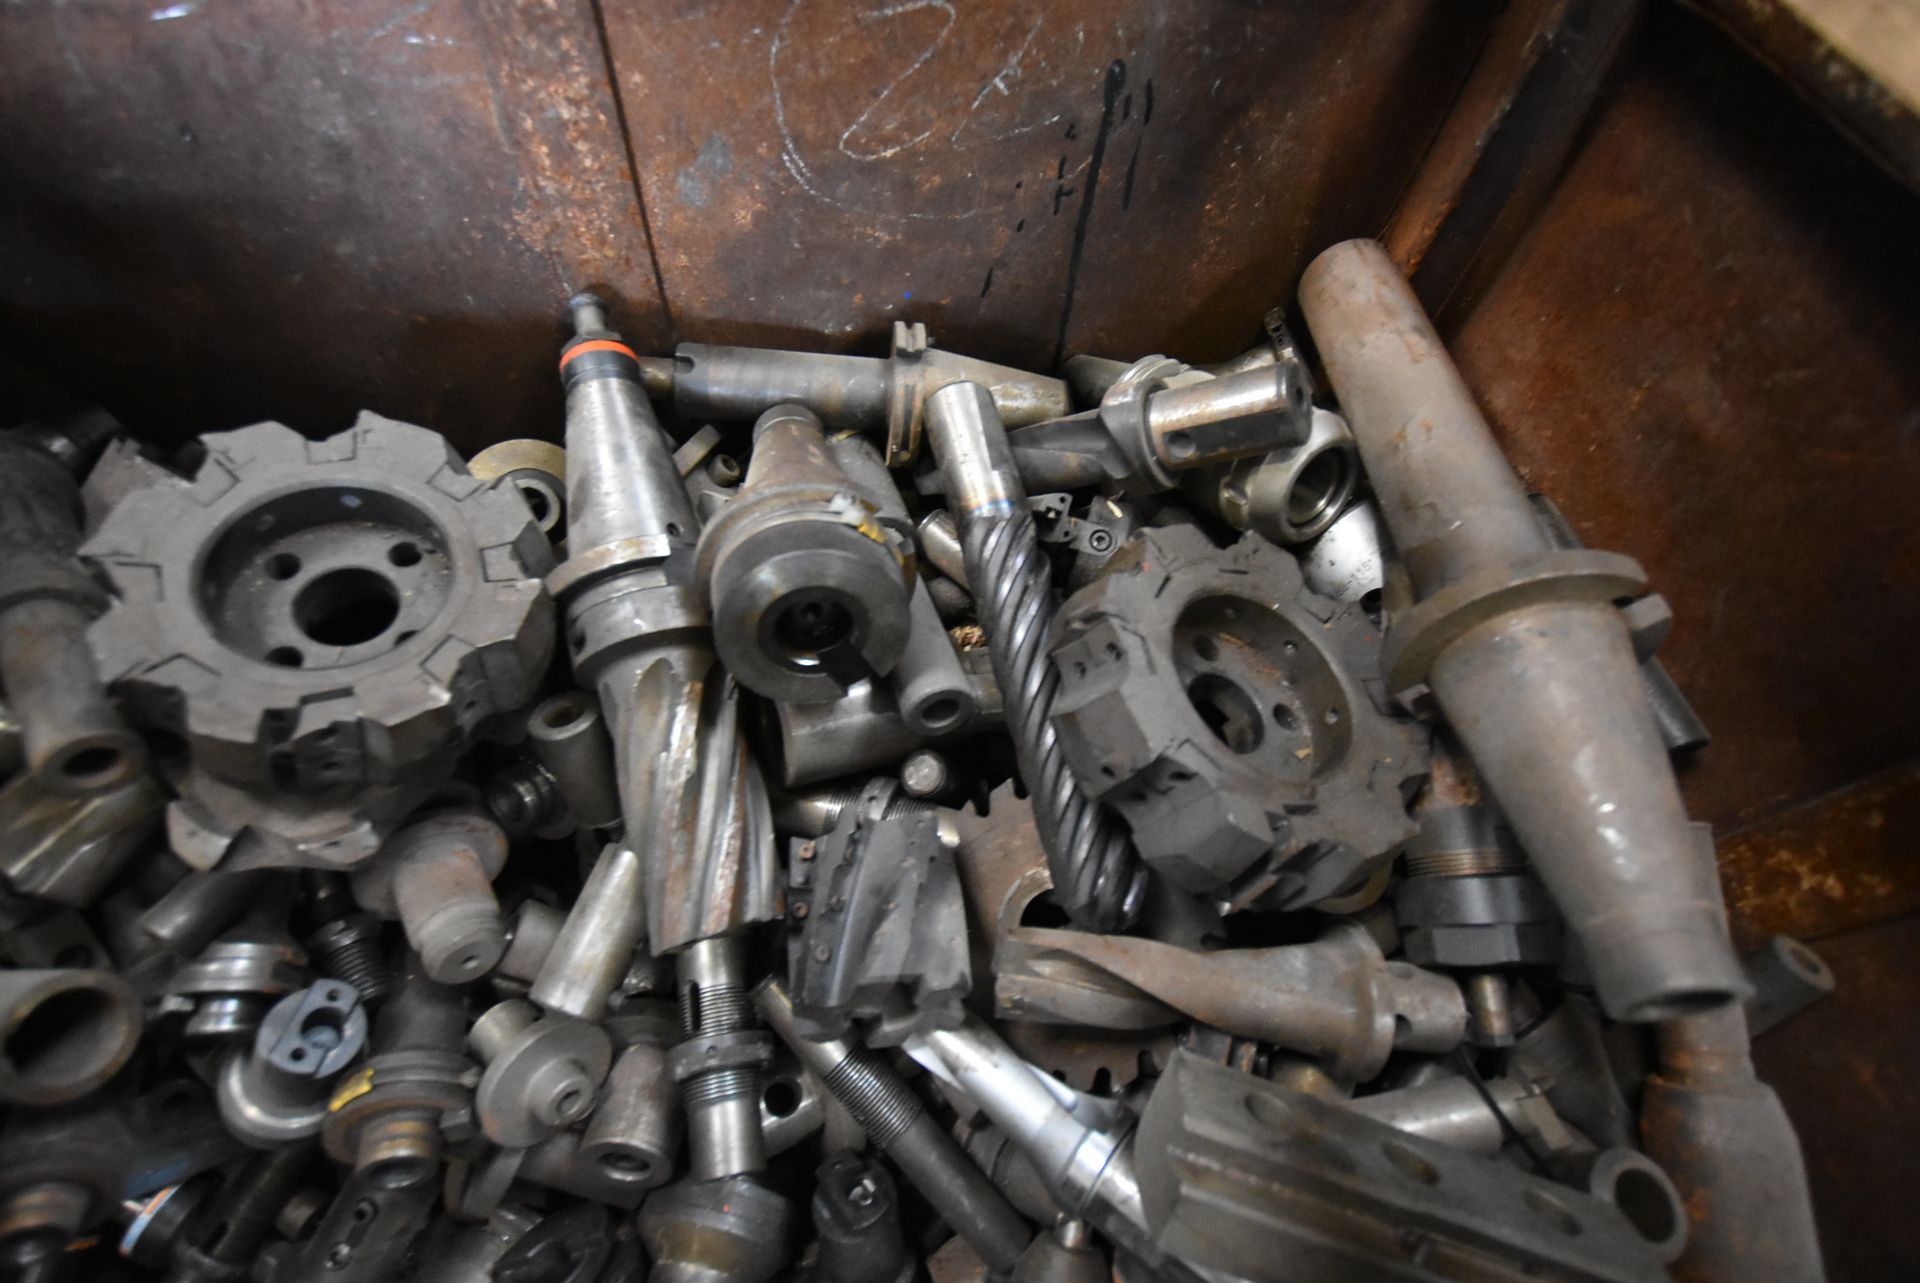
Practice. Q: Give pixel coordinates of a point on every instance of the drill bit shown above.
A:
(1097, 876)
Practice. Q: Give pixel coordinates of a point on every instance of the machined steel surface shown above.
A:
(931, 686)
(691, 795)
(436, 876)
(532, 928)
(1004, 871)
(718, 1062)
(1636, 1185)
(1158, 420)
(634, 1133)
(870, 393)
(1348, 562)
(897, 1124)
(856, 1213)
(242, 1217)
(723, 1231)
(458, 1252)
(570, 739)
(537, 471)
(594, 946)
(343, 940)
(1232, 717)
(63, 1033)
(1213, 877)
(225, 991)
(1290, 495)
(1076, 1142)
(1523, 650)
(1263, 1183)
(1067, 1255)
(940, 545)
(71, 735)
(317, 620)
(67, 849)
(1469, 898)
(1337, 999)
(1680, 727)
(276, 1091)
(1787, 978)
(1479, 1117)
(364, 1237)
(542, 1073)
(1566, 1047)
(391, 1119)
(186, 917)
(860, 732)
(808, 587)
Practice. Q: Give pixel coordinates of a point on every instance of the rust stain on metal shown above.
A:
(1703, 351)
(834, 168)
(1840, 862)
(1503, 143)
(1848, 1069)
(1003, 870)
(271, 211)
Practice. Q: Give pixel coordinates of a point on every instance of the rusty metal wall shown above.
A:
(1705, 348)
(1845, 1070)
(296, 210)
(214, 213)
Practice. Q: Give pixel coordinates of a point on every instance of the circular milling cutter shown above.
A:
(809, 587)
(325, 625)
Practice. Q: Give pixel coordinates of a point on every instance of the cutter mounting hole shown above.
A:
(1644, 1200)
(940, 712)
(781, 1098)
(346, 607)
(94, 762)
(1229, 712)
(564, 713)
(537, 502)
(322, 1030)
(1318, 486)
(65, 1036)
(810, 625)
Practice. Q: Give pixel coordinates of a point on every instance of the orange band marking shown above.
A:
(598, 345)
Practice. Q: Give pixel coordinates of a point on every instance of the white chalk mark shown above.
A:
(400, 19)
(173, 11)
(1010, 71)
(816, 186)
(933, 47)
